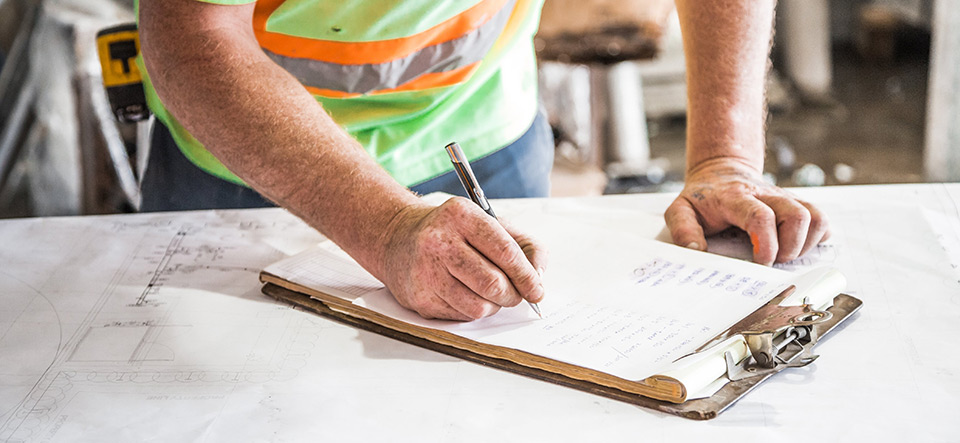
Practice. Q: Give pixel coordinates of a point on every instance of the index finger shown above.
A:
(685, 229)
(488, 237)
(535, 253)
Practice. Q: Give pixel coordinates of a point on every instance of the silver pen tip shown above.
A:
(536, 309)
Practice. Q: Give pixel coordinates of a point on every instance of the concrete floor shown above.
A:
(873, 122)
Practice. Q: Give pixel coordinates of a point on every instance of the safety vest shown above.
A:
(404, 77)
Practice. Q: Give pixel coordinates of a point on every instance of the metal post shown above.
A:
(629, 147)
(619, 127)
(806, 44)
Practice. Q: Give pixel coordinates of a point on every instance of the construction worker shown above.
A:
(336, 110)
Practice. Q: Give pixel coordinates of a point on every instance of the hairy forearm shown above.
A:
(266, 128)
(726, 45)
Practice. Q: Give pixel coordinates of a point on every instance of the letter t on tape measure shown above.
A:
(118, 48)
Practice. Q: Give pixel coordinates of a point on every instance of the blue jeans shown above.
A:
(172, 183)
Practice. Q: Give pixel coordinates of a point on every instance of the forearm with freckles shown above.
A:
(264, 126)
(726, 44)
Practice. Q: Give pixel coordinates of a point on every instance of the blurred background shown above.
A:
(860, 92)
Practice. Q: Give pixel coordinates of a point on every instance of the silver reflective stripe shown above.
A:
(457, 53)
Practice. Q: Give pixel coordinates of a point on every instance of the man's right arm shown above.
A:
(452, 261)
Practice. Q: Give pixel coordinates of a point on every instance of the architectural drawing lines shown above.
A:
(26, 398)
(152, 285)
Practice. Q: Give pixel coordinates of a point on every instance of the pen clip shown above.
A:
(463, 170)
(481, 199)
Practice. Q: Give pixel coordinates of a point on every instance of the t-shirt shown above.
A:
(404, 77)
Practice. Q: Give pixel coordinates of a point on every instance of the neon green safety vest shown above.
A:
(404, 77)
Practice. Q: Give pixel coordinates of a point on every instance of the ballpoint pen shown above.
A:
(470, 184)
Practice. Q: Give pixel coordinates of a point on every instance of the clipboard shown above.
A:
(778, 337)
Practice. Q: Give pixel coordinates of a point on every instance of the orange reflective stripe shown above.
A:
(425, 81)
(381, 51)
(330, 93)
(367, 78)
(436, 79)
(521, 8)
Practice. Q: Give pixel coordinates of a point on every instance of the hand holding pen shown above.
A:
(474, 191)
(454, 261)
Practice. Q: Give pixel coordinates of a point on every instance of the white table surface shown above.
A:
(152, 327)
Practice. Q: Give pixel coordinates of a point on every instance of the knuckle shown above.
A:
(735, 191)
(418, 305)
(728, 194)
(406, 303)
(673, 209)
(526, 283)
(456, 206)
(512, 301)
(427, 313)
(526, 241)
(815, 229)
(530, 248)
(492, 285)
(431, 307)
(818, 225)
(527, 277)
(761, 217)
(799, 216)
(676, 216)
(475, 311)
(509, 254)
(788, 252)
(488, 309)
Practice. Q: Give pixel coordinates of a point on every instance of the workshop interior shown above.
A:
(859, 92)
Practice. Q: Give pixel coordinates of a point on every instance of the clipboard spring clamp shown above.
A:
(783, 339)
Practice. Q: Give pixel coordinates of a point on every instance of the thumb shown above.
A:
(684, 227)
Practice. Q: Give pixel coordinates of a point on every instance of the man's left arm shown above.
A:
(727, 44)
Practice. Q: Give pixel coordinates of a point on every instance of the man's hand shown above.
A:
(456, 262)
(723, 192)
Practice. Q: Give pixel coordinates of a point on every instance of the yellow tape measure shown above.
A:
(118, 48)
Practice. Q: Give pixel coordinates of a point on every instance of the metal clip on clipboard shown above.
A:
(783, 337)
(777, 336)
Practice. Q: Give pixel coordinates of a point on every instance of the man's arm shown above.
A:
(727, 45)
(451, 261)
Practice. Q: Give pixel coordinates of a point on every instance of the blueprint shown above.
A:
(159, 309)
